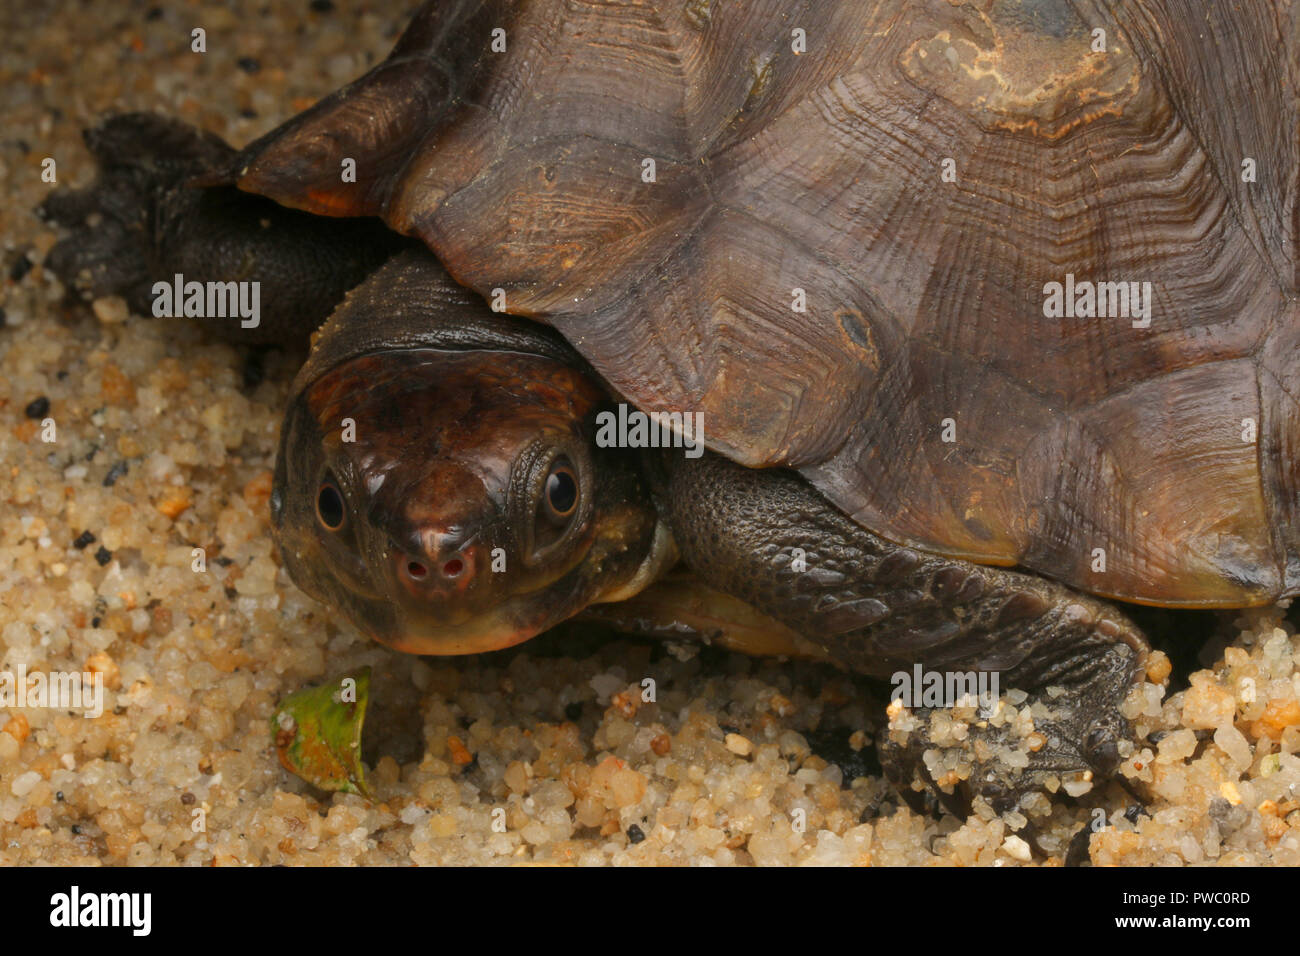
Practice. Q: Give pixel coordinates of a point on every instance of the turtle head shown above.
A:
(452, 502)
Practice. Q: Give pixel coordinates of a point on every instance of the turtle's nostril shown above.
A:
(429, 575)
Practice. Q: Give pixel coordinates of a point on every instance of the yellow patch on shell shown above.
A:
(1007, 77)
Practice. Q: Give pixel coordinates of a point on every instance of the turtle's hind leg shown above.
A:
(936, 627)
(144, 221)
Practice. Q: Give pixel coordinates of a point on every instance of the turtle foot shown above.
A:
(1059, 738)
(111, 224)
(157, 221)
(952, 760)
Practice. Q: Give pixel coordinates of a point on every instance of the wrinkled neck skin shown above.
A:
(438, 435)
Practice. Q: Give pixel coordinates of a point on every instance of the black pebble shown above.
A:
(254, 370)
(1078, 853)
(83, 539)
(248, 64)
(59, 796)
(114, 473)
(322, 6)
(22, 265)
(832, 745)
(573, 711)
(1132, 813)
(634, 834)
(76, 830)
(94, 622)
(248, 113)
(37, 408)
(155, 13)
(103, 555)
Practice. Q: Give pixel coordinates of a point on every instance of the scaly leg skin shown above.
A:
(142, 222)
(880, 608)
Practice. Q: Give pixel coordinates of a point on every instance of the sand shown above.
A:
(164, 443)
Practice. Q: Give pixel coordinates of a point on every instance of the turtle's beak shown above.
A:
(490, 632)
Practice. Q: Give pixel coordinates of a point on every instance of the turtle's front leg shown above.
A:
(767, 537)
(144, 222)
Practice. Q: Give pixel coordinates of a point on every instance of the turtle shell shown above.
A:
(831, 228)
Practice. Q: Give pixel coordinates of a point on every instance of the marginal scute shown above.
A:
(922, 173)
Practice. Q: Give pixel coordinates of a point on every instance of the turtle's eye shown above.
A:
(557, 501)
(330, 509)
(560, 496)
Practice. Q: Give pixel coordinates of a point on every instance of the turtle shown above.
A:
(917, 336)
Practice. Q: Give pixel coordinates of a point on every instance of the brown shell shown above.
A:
(822, 171)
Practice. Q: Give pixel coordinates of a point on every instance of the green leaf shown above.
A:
(317, 733)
